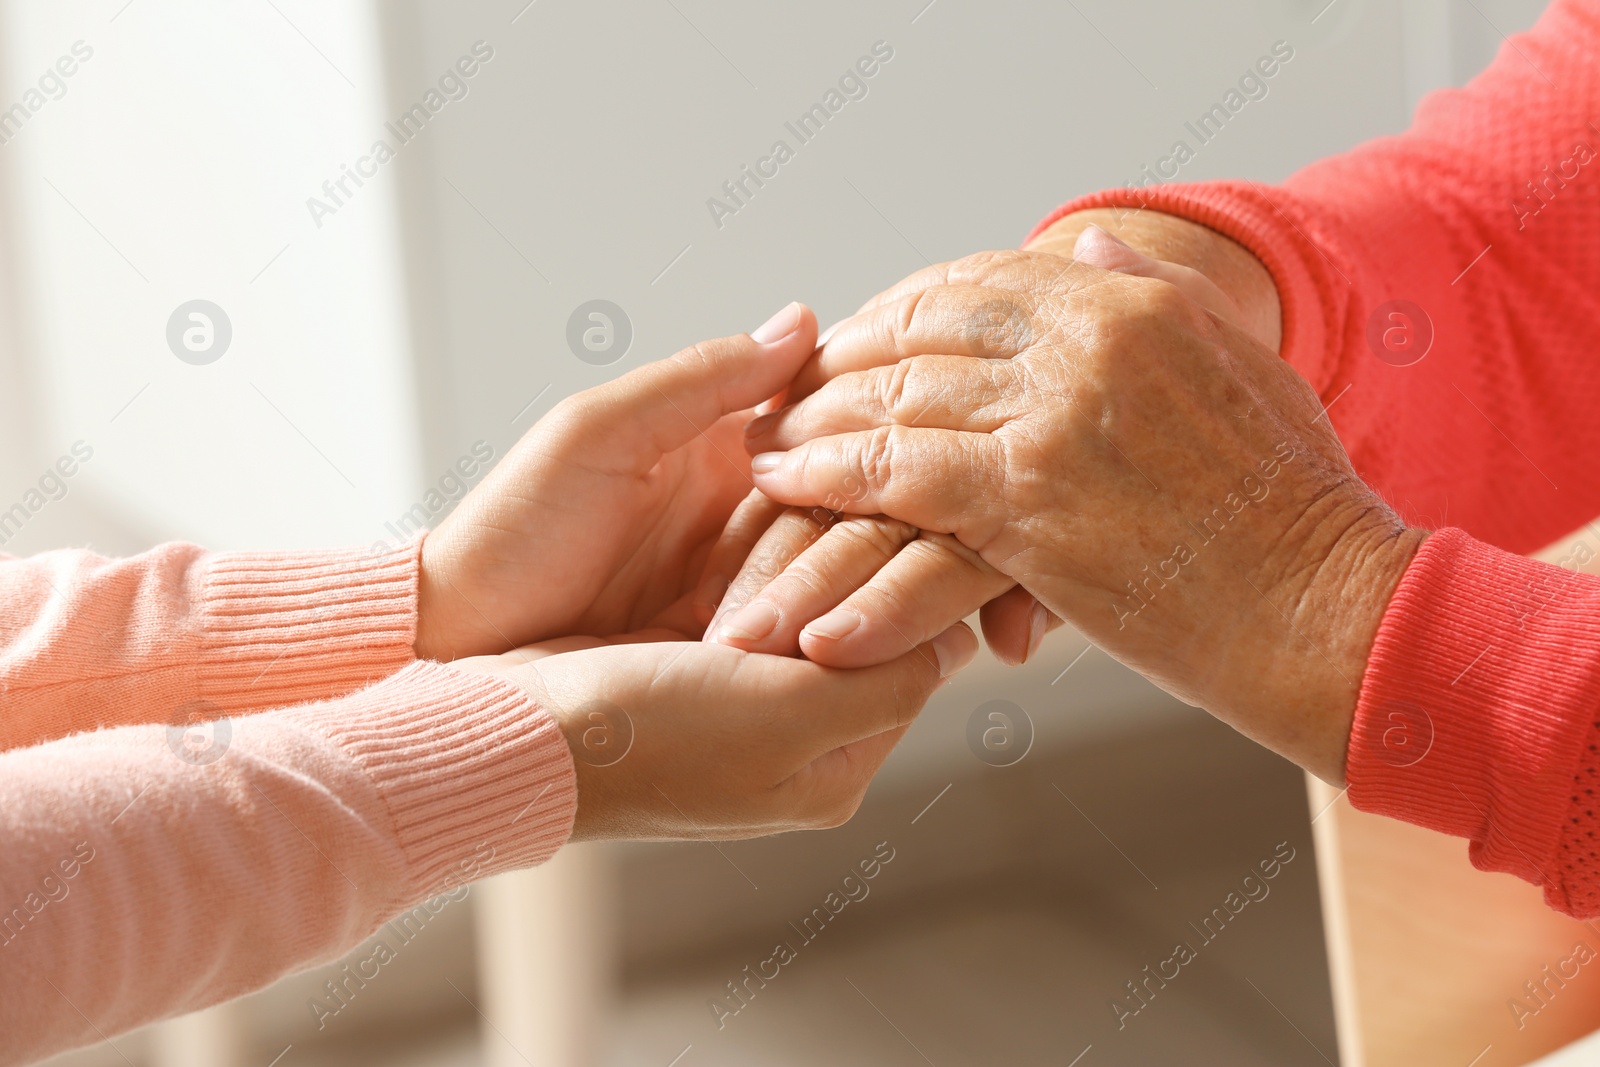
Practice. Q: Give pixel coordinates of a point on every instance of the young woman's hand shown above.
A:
(677, 739)
(599, 521)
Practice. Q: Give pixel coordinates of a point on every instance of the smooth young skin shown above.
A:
(600, 520)
(598, 523)
(719, 744)
(1111, 416)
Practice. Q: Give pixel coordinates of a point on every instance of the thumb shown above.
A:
(662, 406)
(1103, 249)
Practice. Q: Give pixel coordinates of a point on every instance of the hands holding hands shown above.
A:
(1109, 439)
(1078, 431)
(598, 524)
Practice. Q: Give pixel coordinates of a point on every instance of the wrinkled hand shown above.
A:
(675, 739)
(600, 519)
(801, 579)
(803, 584)
(1147, 470)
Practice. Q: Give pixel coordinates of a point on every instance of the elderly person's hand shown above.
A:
(601, 518)
(797, 565)
(1145, 468)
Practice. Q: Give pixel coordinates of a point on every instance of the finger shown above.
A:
(1017, 272)
(945, 392)
(931, 584)
(754, 515)
(846, 706)
(664, 405)
(1096, 247)
(945, 481)
(784, 540)
(1015, 624)
(954, 320)
(814, 581)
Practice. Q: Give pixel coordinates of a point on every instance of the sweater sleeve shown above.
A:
(1479, 714)
(1485, 217)
(142, 876)
(1479, 711)
(178, 634)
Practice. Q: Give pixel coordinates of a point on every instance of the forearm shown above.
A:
(178, 634)
(141, 879)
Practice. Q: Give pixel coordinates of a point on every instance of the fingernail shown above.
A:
(826, 335)
(779, 326)
(766, 462)
(954, 651)
(838, 623)
(1108, 235)
(712, 587)
(751, 622)
(760, 425)
(1037, 620)
(1112, 254)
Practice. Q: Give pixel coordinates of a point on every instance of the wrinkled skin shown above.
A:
(1076, 428)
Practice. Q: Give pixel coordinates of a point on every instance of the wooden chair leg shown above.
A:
(546, 961)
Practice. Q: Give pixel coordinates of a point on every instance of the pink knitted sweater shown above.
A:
(147, 868)
(1479, 712)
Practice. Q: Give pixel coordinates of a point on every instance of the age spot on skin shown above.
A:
(998, 328)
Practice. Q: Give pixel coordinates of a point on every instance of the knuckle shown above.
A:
(891, 600)
(702, 359)
(910, 693)
(983, 265)
(907, 311)
(802, 583)
(1150, 317)
(881, 537)
(895, 387)
(571, 417)
(566, 411)
(706, 353)
(1164, 300)
(877, 457)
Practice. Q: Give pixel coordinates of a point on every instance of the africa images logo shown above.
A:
(202, 736)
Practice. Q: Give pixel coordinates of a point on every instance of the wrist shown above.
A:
(1319, 630)
(1230, 266)
(443, 634)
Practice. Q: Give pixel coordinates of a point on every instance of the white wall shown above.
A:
(431, 309)
(176, 166)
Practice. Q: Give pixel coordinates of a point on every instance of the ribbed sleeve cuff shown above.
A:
(477, 778)
(282, 628)
(1481, 689)
(1312, 290)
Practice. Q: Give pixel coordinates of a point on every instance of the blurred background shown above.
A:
(268, 333)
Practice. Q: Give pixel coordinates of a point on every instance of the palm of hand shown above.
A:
(630, 535)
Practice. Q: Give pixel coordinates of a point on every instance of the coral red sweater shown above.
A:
(1479, 713)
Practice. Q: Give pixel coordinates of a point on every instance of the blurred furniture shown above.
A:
(1435, 963)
